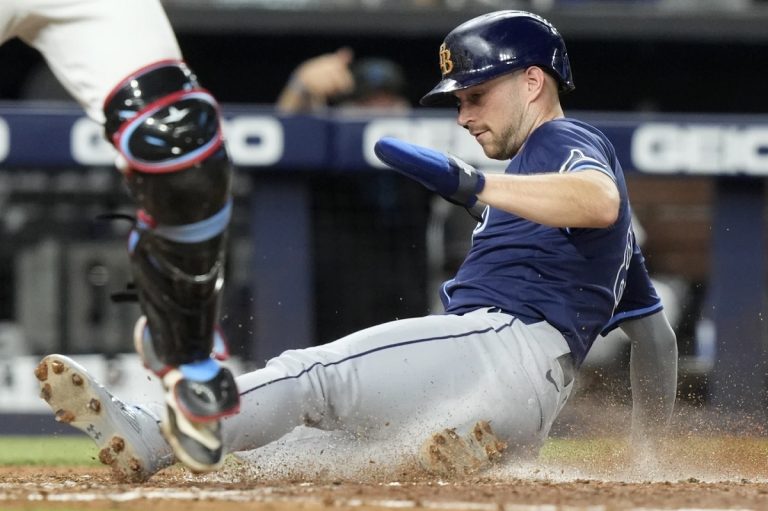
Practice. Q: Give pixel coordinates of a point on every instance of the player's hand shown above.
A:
(328, 75)
(317, 81)
(447, 175)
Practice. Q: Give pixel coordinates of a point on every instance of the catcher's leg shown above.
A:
(167, 130)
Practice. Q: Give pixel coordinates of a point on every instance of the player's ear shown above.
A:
(535, 79)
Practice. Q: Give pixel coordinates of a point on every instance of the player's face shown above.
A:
(494, 112)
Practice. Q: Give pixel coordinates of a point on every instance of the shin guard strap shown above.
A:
(198, 231)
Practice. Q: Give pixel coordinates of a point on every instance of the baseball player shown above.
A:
(121, 61)
(553, 263)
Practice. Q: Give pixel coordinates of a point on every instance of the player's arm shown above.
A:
(653, 374)
(586, 198)
(653, 356)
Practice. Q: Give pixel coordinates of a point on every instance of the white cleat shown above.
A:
(448, 454)
(128, 437)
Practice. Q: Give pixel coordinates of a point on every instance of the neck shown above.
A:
(539, 117)
(552, 111)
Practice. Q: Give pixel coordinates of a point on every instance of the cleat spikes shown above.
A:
(65, 416)
(106, 456)
(117, 444)
(45, 392)
(134, 465)
(41, 371)
(57, 367)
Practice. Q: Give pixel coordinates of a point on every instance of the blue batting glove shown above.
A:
(454, 179)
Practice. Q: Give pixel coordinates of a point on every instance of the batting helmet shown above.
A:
(497, 43)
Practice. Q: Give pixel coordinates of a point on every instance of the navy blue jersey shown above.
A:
(572, 278)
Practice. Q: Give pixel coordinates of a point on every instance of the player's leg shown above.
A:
(417, 376)
(123, 57)
(407, 380)
(92, 45)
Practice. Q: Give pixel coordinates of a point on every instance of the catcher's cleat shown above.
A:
(446, 453)
(197, 397)
(128, 437)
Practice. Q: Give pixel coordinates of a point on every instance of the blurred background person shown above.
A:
(371, 214)
(338, 79)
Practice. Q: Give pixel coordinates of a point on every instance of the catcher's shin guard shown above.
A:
(167, 130)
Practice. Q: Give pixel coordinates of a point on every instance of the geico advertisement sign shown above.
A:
(251, 140)
(664, 148)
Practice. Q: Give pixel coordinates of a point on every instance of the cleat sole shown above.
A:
(78, 402)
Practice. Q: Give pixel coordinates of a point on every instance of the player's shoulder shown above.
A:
(569, 127)
(567, 132)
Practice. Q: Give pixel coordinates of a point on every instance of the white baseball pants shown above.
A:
(417, 376)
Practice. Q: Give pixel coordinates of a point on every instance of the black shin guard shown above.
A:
(181, 305)
(168, 131)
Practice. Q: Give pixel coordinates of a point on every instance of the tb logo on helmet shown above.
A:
(446, 64)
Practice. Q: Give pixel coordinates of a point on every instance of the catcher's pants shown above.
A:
(417, 376)
(91, 45)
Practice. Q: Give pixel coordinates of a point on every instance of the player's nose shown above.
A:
(463, 118)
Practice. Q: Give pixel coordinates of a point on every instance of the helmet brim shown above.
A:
(442, 93)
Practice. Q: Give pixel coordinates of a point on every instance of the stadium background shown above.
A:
(368, 257)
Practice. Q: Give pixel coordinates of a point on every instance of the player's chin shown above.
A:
(495, 152)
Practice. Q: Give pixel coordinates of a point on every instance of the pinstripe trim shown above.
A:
(578, 161)
(380, 348)
(444, 289)
(633, 314)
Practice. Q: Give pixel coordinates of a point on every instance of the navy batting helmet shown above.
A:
(497, 43)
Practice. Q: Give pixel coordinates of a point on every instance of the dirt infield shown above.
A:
(709, 462)
(724, 473)
(176, 490)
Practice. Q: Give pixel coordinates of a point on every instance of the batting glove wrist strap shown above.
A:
(449, 176)
(471, 182)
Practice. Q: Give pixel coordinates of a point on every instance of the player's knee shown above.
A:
(168, 131)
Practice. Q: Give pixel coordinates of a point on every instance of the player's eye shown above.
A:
(475, 98)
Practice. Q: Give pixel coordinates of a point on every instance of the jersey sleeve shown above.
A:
(563, 147)
(639, 298)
